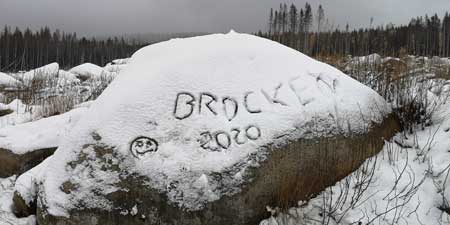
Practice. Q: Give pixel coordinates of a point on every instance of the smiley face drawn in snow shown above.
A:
(142, 145)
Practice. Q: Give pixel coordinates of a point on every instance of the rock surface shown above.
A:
(14, 164)
(211, 130)
(24, 146)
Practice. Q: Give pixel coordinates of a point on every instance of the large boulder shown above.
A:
(38, 78)
(211, 130)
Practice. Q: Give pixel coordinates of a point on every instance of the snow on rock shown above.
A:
(112, 68)
(120, 61)
(47, 71)
(88, 71)
(117, 65)
(26, 145)
(40, 134)
(6, 215)
(25, 189)
(8, 81)
(368, 59)
(188, 108)
(67, 78)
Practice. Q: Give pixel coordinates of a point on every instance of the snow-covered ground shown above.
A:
(20, 113)
(406, 183)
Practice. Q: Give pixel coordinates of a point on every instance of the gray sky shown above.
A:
(106, 17)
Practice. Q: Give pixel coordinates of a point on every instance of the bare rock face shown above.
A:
(22, 208)
(211, 130)
(15, 164)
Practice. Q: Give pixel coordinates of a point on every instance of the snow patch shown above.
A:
(8, 81)
(43, 133)
(44, 72)
(88, 71)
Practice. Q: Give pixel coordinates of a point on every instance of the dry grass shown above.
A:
(403, 83)
(53, 96)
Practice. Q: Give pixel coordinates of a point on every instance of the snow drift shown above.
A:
(88, 71)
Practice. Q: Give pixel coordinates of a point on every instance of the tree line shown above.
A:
(24, 50)
(313, 34)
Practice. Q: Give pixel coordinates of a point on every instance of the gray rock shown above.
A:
(15, 164)
(21, 208)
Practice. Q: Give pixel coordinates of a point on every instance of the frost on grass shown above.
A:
(210, 114)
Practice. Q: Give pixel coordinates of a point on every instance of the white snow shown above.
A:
(8, 81)
(43, 133)
(134, 210)
(47, 71)
(121, 61)
(6, 194)
(22, 113)
(369, 59)
(410, 181)
(114, 68)
(88, 70)
(116, 65)
(67, 78)
(255, 89)
(26, 184)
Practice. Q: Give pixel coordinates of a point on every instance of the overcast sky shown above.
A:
(106, 17)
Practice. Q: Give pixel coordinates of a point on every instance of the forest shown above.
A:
(313, 34)
(303, 29)
(24, 50)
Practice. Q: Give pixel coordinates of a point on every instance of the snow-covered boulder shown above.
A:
(66, 78)
(8, 81)
(26, 145)
(120, 61)
(89, 71)
(114, 68)
(211, 130)
(45, 72)
(116, 65)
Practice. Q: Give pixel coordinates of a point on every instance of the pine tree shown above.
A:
(307, 25)
(293, 19)
(320, 17)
